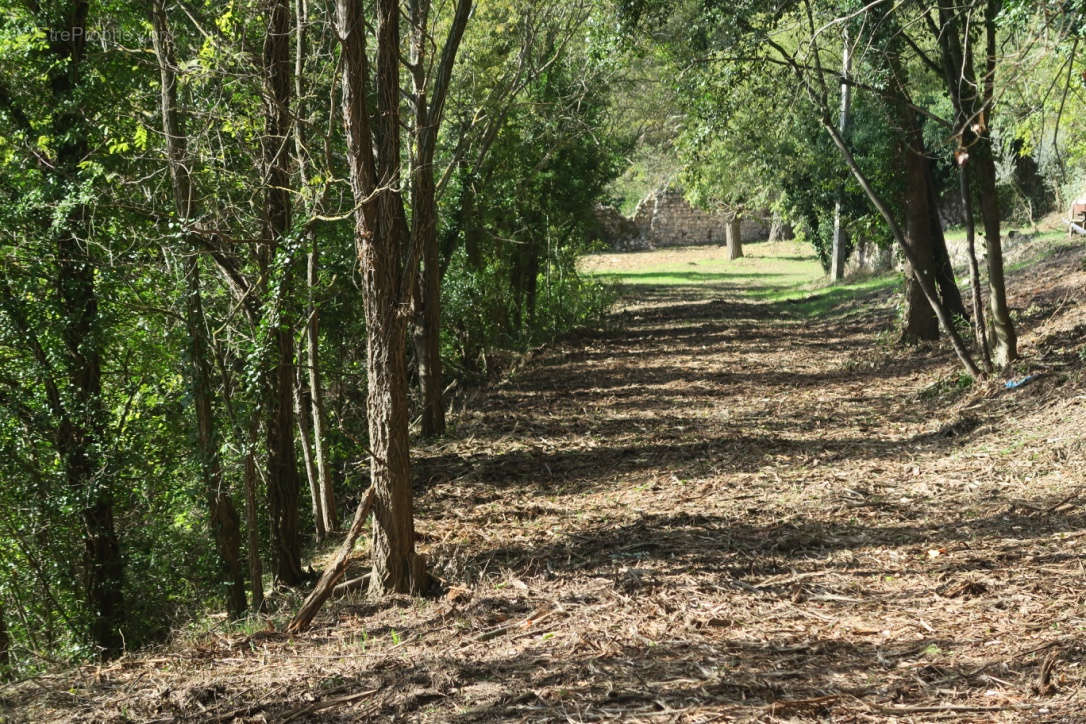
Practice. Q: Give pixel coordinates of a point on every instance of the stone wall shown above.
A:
(664, 218)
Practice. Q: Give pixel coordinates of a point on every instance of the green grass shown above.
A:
(782, 272)
(762, 267)
(824, 300)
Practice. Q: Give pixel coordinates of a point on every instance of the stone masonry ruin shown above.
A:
(664, 218)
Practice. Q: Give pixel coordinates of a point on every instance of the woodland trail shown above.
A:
(718, 508)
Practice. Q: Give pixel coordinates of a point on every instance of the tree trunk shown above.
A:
(81, 437)
(979, 326)
(776, 228)
(283, 479)
(920, 321)
(388, 273)
(839, 250)
(315, 408)
(222, 514)
(310, 465)
(424, 203)
(316, 396)
(895, 229)
(973, 103)
(1004, 337)
(942, 268)
(252, 525)
(733, 235)
(5, 647)
(334, 571)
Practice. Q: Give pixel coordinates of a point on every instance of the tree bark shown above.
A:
(223, 516)
(428, 114)
(312, 330)
(316, 396)
(283, 479)
(81, 431)
(310, 466)
(1004, 337)
(973, 103)
(733, 234)
(942, 268)
(979, 327)
(388, 265)
(335, 570)
(919, 322)
(895, 229)
(5, 647)
(252, 526)
(839, 250)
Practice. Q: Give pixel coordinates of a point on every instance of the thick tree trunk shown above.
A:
(388, 273)
(733, 235)
(919, 322)
(926, 287)
(776, 228)
(942, 269)
(81, 437)
(283, 479)
(222, 514)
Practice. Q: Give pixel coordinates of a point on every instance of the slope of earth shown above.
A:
(727, 506)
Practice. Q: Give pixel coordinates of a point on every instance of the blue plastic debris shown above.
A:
(1014, 384)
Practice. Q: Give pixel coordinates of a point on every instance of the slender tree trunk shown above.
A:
(973, 103)
(733, 234)
(5, 646)
(283, 479)
(979, 326)
(252, 521)
(223, 517)
(427, 302)
(1004, 337)
(839, 250)
(316, 397)
(312, 329)
(334, 571)
(427, 305)
(310, 467)
(388, 273)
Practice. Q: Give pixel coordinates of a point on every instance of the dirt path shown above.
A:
(719, 509)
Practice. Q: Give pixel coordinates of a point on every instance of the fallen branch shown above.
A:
(301, 621)
(327, 704)
(355, 584)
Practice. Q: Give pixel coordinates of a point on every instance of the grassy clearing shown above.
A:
(765, 266)
(772, 272)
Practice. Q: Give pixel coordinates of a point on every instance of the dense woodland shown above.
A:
(252, 252)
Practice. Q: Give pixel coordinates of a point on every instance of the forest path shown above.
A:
(725, 506)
